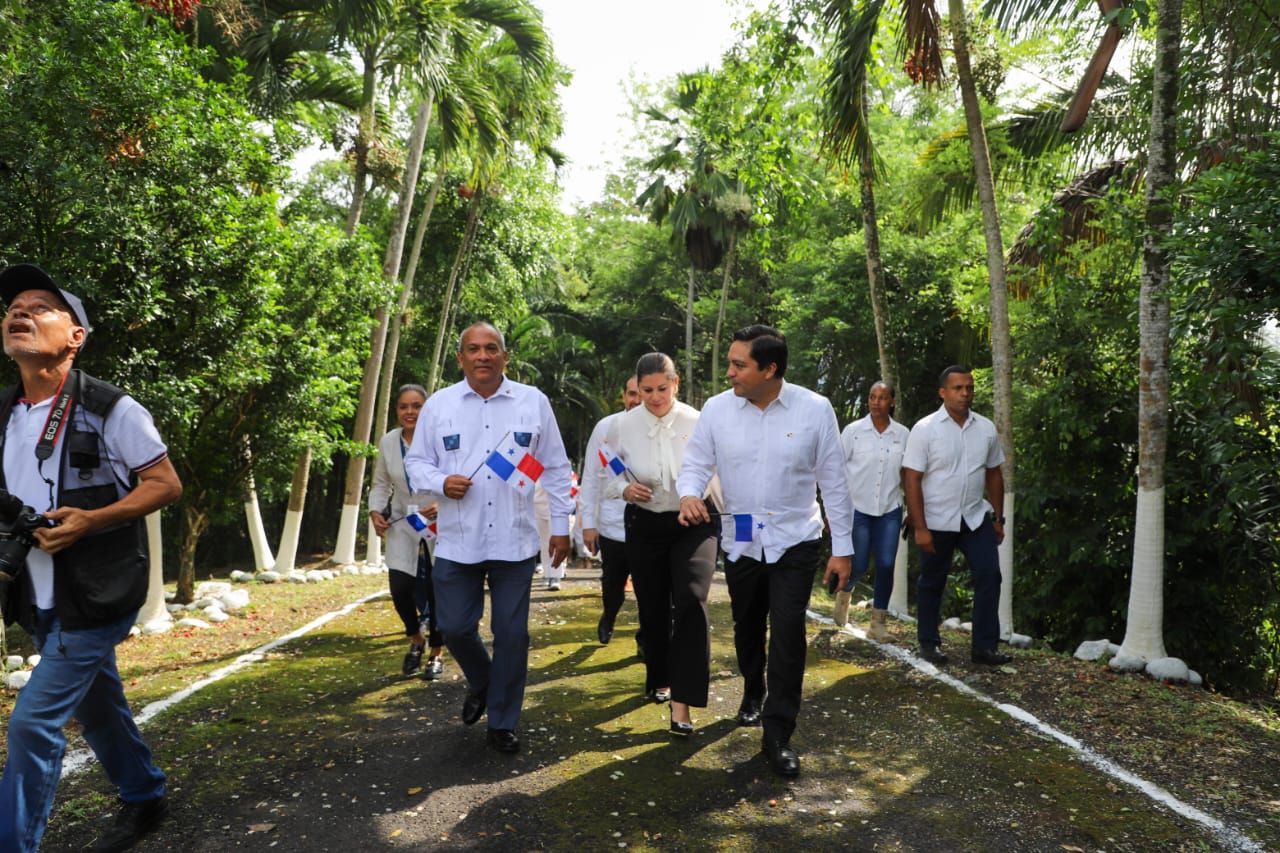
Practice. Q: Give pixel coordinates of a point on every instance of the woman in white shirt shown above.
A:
(671, 565)
(873, 448)
(408, 558)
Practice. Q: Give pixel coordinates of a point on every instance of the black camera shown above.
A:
(17, 522)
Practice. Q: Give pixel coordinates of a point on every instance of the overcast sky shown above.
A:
(605, 41)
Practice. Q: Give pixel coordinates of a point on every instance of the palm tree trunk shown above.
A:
(365, 135)
(344, 551)
(688, 334)
(713, 376)
(1144, 632)
(434, 376)
(374, 556)
(1001, 345)
(287, 553)
(875, 267)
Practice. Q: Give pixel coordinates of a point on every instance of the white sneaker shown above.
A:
(553, 584)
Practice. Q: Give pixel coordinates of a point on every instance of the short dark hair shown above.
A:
(768, 346)
(656, 362)
(955, 368)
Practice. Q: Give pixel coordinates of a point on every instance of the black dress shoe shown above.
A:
(660, 695)
(473, 706)
(133, 822)
(504, 740)
(412, 659)
(933, 654)
(782, 758)
(749, 713)
(680, 729)
(604, 631)
(990, 657)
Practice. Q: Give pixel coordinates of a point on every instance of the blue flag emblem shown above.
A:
(452, 442)
(522, 438)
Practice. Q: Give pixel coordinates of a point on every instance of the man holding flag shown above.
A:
(774, 445)
(483, 444)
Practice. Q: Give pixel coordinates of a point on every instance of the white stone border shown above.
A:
(1231, 839)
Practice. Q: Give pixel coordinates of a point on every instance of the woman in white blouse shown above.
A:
(671, 565)
(408, 558)
(873, 448)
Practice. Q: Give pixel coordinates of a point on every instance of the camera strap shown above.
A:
(56, 421)
(53, 426)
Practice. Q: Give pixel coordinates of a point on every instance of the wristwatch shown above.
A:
(998, 519)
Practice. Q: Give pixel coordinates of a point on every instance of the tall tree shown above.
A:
(1144, 634)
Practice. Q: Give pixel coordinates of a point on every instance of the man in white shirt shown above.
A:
(602, 527)
(774, 446)
(952, 456)
(485, 527)
(88, 458)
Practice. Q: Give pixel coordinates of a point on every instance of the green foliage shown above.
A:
(148, 191)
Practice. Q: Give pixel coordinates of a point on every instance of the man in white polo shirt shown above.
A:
(88, 458)
(952, 456)
(486, 529)
(774, 446)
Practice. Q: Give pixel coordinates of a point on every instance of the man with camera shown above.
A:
(86, 461)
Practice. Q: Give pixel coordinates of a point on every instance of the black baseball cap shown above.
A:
(21, 277)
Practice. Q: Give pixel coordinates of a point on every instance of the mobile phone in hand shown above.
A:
(833, 583)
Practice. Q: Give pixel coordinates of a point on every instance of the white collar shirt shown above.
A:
(456, 433)
(873, 465)
(597, 511)
(954, 459)
(653, 449)
(772, 463)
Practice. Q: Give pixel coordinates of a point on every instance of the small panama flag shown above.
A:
(517, 466)
(425, 527)
(748, 528)
(610, 460)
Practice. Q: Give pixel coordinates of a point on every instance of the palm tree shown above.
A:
(428, 40)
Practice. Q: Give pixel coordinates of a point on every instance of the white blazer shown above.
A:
(391, 487)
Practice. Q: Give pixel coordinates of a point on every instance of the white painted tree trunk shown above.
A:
(154, 612)
(287, 553)
(263, 559)
(1144, 631)
(373, 555)
(344, 552)
(1001, 343)
(1005, 552)
(901, 586)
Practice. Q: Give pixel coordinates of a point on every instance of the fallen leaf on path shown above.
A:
(261, 827)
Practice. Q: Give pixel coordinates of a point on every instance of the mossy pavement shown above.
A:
(325, 746)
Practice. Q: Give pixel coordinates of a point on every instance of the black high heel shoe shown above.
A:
(679, 729)
(660, 695)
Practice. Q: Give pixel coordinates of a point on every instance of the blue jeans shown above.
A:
(979, 548)
(77, 677)
(876, 534)
(460, 596)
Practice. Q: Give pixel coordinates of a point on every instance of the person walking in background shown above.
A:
(601, 520)
(671, 564)
(952, 456)
(483, 443)
(404, 517)
(873, 448)
(774, 446)
(88, 457)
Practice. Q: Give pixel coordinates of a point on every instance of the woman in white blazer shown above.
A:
(403, 515)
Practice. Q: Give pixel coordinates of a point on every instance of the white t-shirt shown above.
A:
(130, 443)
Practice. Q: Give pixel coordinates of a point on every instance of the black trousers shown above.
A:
(614, 572)
(671, 568)
(770, 599)
(415, 599)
